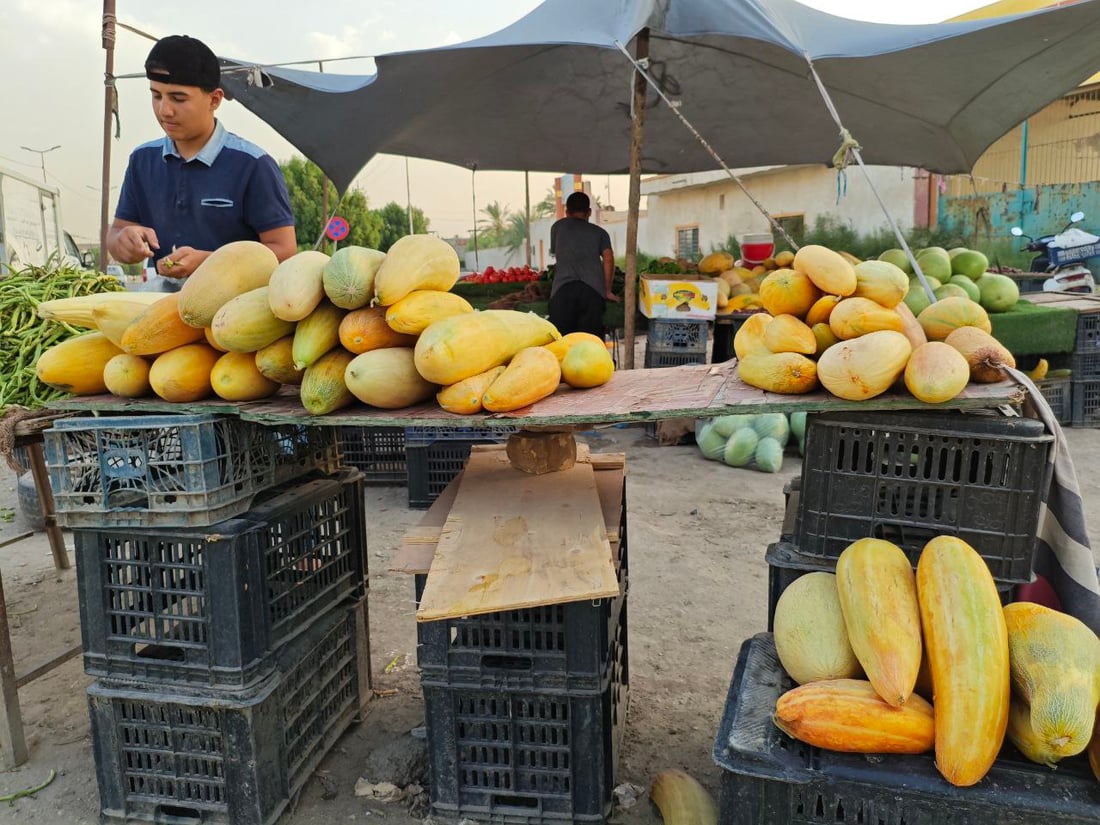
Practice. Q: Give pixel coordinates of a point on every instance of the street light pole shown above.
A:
(42, 157)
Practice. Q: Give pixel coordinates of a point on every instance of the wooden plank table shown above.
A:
(631, 396)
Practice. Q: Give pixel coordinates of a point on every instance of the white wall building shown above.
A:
(696, 213)
(692, 214)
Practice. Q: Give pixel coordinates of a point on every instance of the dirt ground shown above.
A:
(698, 587)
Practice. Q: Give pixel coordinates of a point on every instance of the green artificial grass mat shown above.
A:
(1030, 329)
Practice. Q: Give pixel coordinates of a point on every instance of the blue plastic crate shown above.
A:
(174, 470)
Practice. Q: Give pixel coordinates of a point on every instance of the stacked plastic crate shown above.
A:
(435, 455)
(904, 477)
(671, 343)
(221, 569)
(526, 708)
(377, 452)
(1085, 371)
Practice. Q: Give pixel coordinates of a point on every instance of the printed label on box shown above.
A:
(661, 297)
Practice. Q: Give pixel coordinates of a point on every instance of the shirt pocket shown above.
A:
(223, 203)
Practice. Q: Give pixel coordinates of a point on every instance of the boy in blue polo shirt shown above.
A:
(200, 186)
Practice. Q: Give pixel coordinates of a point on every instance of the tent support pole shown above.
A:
(108, 41)
(641, 53)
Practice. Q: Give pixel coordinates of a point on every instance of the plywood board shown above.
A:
(699, 390)
(515, 540)
(417, 548)
(1064, 300)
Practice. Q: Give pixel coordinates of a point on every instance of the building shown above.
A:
(692, 214)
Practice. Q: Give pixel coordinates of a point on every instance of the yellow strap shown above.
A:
(847, 143)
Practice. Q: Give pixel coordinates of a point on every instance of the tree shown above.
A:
(304, 184)
(394, 222)
(515, 233)
(492, 228)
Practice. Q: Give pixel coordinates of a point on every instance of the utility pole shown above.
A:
(42, 157)
(527, 202)
(408, 196)
(109, 93)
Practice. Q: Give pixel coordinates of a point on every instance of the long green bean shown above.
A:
(24, 336)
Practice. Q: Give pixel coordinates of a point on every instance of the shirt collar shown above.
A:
(209, 152)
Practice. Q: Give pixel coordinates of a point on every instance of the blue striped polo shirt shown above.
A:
(230, 191)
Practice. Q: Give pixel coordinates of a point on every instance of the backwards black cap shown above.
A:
(183, 61)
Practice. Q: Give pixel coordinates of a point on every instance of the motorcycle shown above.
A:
(1061, 256)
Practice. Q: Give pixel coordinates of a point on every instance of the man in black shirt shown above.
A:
(583, 270)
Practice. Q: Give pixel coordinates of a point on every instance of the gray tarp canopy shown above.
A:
(551, 92)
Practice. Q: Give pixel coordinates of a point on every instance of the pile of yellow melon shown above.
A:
(845, 327)
(380, 328)
(739, 286)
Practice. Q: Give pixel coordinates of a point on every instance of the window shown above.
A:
(721, 201)
(687, 242)
(793, 225)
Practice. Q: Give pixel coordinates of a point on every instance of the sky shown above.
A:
(52, 66)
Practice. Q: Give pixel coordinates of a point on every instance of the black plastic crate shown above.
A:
(433, 466)
(184, 758)
(210, 607)
(377, 452)
(910, 476)
(1030, 283)
(768, 777)
(792, 496)
(677, 335)
(1058, 393)
(1085, 365)
(424, 436)
(726, 327)
(655, 359)
(1086, 403)
(174, 470)
(785, 564)
(527, 757)
(553, 647)
(1088, 332)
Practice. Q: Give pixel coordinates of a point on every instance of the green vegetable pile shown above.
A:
(24, 336)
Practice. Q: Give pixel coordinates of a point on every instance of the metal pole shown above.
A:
(527, 212)
(408, 196)
(1023, 171)
(324, 191)
(641, 53)
(108, 42)
(473, 195)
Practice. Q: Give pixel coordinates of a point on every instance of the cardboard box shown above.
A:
(670, 296)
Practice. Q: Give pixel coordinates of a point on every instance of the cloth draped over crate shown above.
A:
(1063, 554)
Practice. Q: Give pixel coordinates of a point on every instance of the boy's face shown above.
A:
(185, 113)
